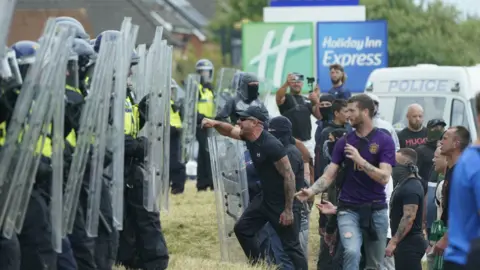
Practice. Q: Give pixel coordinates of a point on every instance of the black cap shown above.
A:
(327, 97)
(280, 124)
(436, 122)
(256, 112)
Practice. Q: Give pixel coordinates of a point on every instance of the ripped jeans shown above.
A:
(352, 237)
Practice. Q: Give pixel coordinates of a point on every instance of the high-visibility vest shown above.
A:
(175, 119)
(130, 122)
(205, 103)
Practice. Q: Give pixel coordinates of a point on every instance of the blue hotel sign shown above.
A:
(309, 3)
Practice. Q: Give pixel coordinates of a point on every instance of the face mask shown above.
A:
(252, 92)
(434, 135)
(401, 172)
(327, 113)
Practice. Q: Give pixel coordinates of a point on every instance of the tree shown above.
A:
(430, 33)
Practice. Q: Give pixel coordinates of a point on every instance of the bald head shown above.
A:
(415, 117)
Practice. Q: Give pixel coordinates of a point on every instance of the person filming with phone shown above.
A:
(297, 108)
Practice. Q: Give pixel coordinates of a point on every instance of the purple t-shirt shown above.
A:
(358, 187)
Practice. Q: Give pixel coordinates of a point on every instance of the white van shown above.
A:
(443, 91)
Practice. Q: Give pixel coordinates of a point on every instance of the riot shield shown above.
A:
(38, 128)
(85, 135)
(165, 190)
(231, 191)
(227, 84)
(7, 8)
(156, 83)
(265, 88)
(124, 48)
(139, 73)
(189, 121)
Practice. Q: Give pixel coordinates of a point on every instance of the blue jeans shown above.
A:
(352, 237)
(271, 246)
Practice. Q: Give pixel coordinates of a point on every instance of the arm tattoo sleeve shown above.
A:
(285, 169)
(320, 185)
(409, 214)
(377, 174)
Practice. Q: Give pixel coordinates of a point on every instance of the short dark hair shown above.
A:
(338, 105)
(409, 153)
(363, 102)
(336, 67)
(463, 136)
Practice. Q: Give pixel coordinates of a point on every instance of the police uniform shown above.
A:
(205, 106)
(142, 244)
(178, 174)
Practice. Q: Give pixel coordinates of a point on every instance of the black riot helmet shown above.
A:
(248, 87)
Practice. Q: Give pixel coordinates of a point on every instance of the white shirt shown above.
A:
(388, 192)
(380, 123)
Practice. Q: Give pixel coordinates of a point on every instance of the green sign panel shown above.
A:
(272, 50)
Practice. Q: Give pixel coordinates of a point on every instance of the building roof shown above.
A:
(95, 15)
(205, 7)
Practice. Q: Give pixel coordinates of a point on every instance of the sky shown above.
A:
(466, 6)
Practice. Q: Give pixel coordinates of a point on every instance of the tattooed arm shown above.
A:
(285, 169)
(409, 214)
(227, 129)
(381, 174)
(326, 179)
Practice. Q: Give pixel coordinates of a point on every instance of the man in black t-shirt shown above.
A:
(414, 134)
(406, 215)
(298, 109)
(277, 205)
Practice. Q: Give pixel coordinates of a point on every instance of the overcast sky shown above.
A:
(466, 6)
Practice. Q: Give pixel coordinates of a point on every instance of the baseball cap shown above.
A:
(256, 112)
(436, 122)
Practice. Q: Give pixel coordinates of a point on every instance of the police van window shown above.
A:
(433, 107)
(458, 116)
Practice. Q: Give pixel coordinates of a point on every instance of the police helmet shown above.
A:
(114, 35)
(203, 65)
(25, 51)
(72, 22)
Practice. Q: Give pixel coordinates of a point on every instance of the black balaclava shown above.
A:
(327, 112)
(281, 128)
(402, 171)
(247, 92)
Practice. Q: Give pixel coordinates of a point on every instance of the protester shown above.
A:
(415, 133)
(274, 164)
(452, 144)
(338, 77)
(406, 214)
(435, 129)
(463, 201)
(298, 109)
(368, 156)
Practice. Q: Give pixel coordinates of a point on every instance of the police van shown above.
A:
(445, 92)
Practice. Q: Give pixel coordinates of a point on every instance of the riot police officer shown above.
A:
(205, 108)
(178, 174)
(247, 93)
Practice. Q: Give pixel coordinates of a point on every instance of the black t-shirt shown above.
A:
(298, 109)
(408, 192)
(264, 152)
(412, 139)
(446, 194)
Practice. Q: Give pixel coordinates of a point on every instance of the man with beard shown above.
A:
(414, 134)
(406, 212)
(275, 164)
(338, 77)
(298, 109)
(452, 144)
(367, 155)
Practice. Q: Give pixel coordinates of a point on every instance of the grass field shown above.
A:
(190, 228)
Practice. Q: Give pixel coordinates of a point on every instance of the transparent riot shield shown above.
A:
(189, 121)
(231, 191)
(85, 135)
(227, 84)
(9, 157)
(139, 73)
(265, 88)
(155, 124)
(38, 128)
(7, 8)
(99, 143)
(124, 48)
(165, 186)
